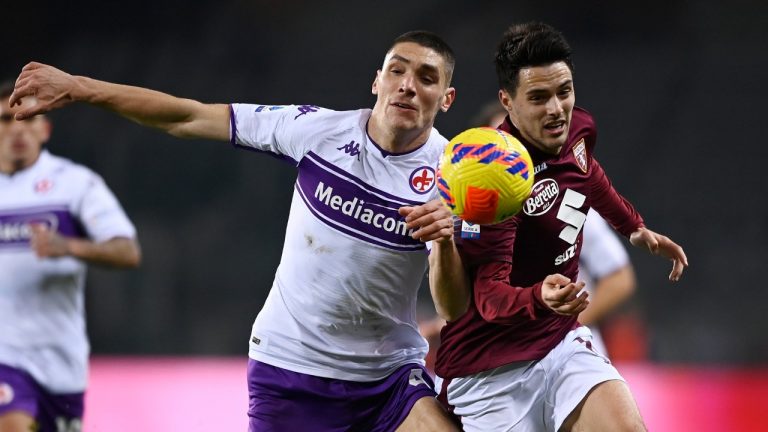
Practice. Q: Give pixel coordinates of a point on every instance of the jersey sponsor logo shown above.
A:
(349, 205)
(422, 179)
(352, 149)
(570, 214)
(565, 256)
(6, 394)
(543, 196)
(539, 168)
(17, 229)
(306, 109)
(15, 225)
(268, 108)
(43, 186)
(580, 153)
(470, 230)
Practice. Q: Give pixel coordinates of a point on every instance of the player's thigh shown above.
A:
(16, 421)
(609, 406)
(508, 398)
(427, 415)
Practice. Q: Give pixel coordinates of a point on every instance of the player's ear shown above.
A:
(448, 98)
(375, 86)
(505, 99)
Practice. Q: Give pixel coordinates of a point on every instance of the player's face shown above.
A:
(541, 107)
(20, 141)
(411, 87)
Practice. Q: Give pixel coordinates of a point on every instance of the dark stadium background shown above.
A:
(678, 89)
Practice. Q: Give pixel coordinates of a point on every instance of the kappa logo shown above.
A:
(306, 109)
(422, 179)
(352, 149)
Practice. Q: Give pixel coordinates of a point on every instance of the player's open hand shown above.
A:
(662, 245)
(47, 243)
(562, 295)
(51, 87)
(431, 221)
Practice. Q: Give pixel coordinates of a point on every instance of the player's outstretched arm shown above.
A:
(662, 245)
(53, 88)
(115, 252)
(448, 282)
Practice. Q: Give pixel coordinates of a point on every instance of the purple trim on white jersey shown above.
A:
(233, 141)
(351, 208)
(15, 224)
(385, 153)
(359, 182)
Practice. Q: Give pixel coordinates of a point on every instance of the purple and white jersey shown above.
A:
(343, 301)
(601, 254)
(42, 322)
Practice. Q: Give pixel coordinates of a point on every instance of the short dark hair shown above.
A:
(529, 45)
(434, 42)
(6, 89)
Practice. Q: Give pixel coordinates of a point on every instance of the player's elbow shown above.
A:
(131, 256)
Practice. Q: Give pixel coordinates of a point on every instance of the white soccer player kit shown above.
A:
(42, 321)
(343, 301)
(601, 254)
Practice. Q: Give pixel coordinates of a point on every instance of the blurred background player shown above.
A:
(55, 217)
(335, 346)
(604, 264)
(518, 359)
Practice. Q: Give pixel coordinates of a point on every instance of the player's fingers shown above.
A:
(434, 230)
(32, 66)
(677, 270)
(405, 211)
(563, 294)
(557, 279)
(575, 306)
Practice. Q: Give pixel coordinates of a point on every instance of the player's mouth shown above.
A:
(555, 128)
(403, 106)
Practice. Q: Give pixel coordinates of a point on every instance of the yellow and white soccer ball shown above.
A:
(485, 175)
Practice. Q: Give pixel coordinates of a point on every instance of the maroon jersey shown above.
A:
(507, 320)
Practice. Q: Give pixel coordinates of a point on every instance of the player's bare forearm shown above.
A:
(610, 292)
(116, 252)
(448, 282)
(658, 244)
(53, 88)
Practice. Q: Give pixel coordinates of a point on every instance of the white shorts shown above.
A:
(531, 395)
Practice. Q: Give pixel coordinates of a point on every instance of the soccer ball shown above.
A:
(485, 175)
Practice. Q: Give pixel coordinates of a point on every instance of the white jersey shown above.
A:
(343, 301)
(601, 254)
(42, 322)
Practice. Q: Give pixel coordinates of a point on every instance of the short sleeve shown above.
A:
(101, 214)
(286, 131)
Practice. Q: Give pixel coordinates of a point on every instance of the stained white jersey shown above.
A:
(343, 301)
(601, 254)
(42, 322)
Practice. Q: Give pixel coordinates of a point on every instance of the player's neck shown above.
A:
(14, 165)
(396, 140)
